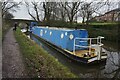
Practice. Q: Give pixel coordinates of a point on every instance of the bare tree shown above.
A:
(89, 8)
(35, 4)
(8, 15)
(49, 9)
(28, 9)
(83, 12)
(63, 13)
(9, 5)
(35, 8)
(71, 9)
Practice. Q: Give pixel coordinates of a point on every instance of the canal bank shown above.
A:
(38, 62)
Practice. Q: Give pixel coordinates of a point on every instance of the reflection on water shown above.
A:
(112, 46)
(112, 64)
(110, 69)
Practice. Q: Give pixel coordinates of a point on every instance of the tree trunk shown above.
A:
(63, 17)
(71, 19)
(47, 19)
(1, 39)
(113, 17)
(83, 21)
(87, 21)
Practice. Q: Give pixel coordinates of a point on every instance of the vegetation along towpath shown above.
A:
(38, 62)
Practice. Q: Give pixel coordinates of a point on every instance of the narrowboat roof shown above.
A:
(55, 28)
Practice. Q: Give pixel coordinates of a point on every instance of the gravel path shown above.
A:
(12, 65)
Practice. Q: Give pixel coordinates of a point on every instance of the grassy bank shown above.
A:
(110, 32)
(38, 62)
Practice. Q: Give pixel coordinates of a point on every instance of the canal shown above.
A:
(108, 69)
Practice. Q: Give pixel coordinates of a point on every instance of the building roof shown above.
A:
(118, 9)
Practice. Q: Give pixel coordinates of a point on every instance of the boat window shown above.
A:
(45, 31)
(62, 35)
(71, 36)
(41, 33)
(66, 33)
(50, 33)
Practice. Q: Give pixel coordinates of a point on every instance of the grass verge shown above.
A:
(38, 62)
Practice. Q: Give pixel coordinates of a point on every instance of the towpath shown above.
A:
(12, 64)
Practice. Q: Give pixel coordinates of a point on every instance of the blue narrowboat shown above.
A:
(73, 43)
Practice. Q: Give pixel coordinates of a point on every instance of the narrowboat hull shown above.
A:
(74, 44)
(71, 56)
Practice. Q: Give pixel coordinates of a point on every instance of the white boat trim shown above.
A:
(23, 30)
(96, 58)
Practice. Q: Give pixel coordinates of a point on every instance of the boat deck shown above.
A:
(84, 53)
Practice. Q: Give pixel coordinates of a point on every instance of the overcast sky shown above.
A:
(23, 14)
(67, 0)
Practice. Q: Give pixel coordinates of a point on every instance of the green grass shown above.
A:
(38, 62)
(103, 23)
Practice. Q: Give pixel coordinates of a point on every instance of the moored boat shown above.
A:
(75, 44)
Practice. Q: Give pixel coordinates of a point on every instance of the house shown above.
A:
(110, 16)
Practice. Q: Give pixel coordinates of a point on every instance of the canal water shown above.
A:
(108, 69)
